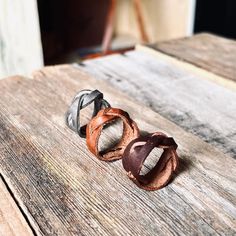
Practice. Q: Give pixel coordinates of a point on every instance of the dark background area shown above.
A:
(216, 16)
(69, 25)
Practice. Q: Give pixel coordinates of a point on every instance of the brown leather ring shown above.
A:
(95, 126)
(138, 150)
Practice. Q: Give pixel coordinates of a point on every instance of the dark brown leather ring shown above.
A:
(95, 126)
(138, 150)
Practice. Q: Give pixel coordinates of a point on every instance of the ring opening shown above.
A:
(85, 114)
(151, 160)
(111, 135)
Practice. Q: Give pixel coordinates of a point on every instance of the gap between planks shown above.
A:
(230, 84)
(207, 51)
(12, 221)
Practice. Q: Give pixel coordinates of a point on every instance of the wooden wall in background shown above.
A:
(164, 19)
(20, 43)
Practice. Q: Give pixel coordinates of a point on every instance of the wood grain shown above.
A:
(12, 222)
(210, 52)
(200, 106)
(190, 68)
(65, 190)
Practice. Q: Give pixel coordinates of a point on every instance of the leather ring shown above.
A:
(138, 150)
(80, 101)
(95, 126)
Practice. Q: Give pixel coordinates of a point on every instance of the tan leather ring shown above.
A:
(95, 126)
(138, 150)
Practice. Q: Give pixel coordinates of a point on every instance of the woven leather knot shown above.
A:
(80, 101)
(95, 126)
(139, 149)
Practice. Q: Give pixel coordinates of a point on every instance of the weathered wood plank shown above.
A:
(200, 106)
(210, 52)
(191, 68)
(12, 222)
(67, 191)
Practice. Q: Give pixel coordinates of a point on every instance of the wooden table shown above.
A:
(50, 183)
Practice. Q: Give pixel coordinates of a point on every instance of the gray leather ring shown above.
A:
(80, 101)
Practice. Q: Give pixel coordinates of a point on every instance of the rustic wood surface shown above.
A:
(200, 106)
(191, 68)
(207, 51)
(64, 190)
(12, 222)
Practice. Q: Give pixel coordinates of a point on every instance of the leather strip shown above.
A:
(80, 101)
(138, 150)
(95, 126)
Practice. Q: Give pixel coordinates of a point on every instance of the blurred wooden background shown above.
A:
(38, 32)
(20, 42)
(82, 22)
